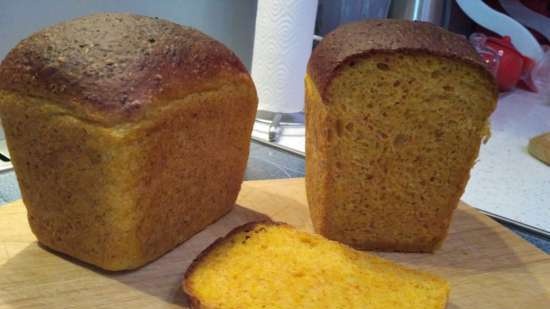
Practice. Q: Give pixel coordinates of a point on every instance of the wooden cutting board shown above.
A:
(488, 266)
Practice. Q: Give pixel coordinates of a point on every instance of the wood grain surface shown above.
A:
(487, 265)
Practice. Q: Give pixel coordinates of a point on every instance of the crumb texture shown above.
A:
(276, 266)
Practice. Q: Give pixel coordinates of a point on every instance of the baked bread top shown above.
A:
(111, 67)
(359, 39)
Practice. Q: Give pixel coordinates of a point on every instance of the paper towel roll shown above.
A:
(282, 46)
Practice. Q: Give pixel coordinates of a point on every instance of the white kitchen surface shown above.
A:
(507, 181)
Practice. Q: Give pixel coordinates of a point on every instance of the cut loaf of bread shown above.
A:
(269, 265)
(396, 111)
(128, 134)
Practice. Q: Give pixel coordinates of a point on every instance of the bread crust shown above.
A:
(111, 67)
(194, 302)
(360, 39)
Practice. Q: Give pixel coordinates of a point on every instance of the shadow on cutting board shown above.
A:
(487, 265)
(475, 243)
(36, 278)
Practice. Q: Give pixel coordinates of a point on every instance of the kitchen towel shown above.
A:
(282, 46)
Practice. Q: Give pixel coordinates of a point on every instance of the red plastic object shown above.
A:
(513, 66)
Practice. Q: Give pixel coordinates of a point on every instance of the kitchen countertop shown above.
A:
(265, 163)
(506, 180)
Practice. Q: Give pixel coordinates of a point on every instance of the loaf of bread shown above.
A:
(128, 134)
(267, 265)
(395, 114)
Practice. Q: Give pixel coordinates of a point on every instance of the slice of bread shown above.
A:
(274, 266)
(395, 114)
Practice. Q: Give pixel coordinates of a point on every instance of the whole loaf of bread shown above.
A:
(395, 114)
(128, 134)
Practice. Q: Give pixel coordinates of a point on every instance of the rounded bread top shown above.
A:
(107, 67)
(359, 39)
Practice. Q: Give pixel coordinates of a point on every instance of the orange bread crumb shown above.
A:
(267, 265)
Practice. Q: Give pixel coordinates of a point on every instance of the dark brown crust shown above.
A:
(107, 67)
(360, 39)
(194, 302)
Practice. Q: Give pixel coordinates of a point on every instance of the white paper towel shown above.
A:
(282, 46)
